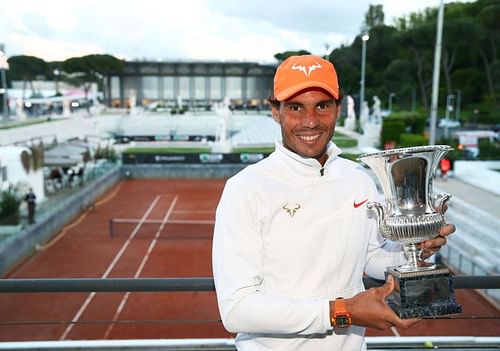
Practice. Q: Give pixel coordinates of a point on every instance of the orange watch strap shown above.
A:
(340, 318)
(340, 305)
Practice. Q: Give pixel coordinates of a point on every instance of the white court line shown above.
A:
(89, 299)
(187, 221)
(141, 267)
(161, 221)
(395, 331)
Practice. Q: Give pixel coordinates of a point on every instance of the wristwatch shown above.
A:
(340, 318)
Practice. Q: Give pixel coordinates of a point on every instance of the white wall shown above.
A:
(10, 157)
(483, 174)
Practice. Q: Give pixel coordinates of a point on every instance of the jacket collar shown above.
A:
(305, 166)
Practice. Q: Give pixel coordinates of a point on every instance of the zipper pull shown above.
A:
(322, 171)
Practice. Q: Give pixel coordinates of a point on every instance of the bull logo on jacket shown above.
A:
(291, 209)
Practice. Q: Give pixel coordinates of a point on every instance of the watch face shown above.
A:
(342, 321)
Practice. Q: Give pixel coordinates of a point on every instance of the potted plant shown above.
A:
(10, 204)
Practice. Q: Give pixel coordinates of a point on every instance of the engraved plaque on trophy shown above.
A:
(412, 214)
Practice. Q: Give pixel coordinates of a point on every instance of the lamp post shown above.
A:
(4, 66)
(391, 96)
(57, 73)
(364, 39)
(450, 100)
(327, 51)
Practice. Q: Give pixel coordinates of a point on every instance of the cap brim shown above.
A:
(287, 93)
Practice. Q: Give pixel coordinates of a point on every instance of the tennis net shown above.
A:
(173, 229)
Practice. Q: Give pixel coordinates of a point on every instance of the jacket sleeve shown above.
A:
(382, 253)
(238, 273)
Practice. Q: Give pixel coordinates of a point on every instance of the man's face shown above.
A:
(307, 123)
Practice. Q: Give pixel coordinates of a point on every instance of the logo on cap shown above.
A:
(302, 69)
(288, 81)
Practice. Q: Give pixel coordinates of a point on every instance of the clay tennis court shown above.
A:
(163, 229)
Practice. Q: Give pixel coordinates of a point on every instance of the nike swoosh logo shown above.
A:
(357, 204)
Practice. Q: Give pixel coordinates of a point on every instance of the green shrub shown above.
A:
(9, 207)
(489, 150)
(392, 128)
(399, 123)
(414, 121)
(410, 140)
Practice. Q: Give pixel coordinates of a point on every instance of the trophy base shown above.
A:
(423, 293)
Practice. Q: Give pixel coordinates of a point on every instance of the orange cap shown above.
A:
(300, 72)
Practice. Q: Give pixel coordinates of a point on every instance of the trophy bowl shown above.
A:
(412, 214)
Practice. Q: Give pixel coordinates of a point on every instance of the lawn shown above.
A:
(340, 139)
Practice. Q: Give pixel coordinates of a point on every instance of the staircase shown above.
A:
(474, 249)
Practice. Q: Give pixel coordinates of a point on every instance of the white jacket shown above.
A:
(289, 237)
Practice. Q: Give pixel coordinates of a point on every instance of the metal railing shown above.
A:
(64, 285)
(443, 343)
(45, 285)
(461, 261)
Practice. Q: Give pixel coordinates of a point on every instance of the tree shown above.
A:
(458, 34)
(282, 56)
(83, 71)
(399, 77)
(27, 69)
(489, 18)
(347, 62)
(374, 17)
(416, 41)
(382, 50)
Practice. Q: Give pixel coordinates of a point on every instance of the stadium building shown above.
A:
(195, 84)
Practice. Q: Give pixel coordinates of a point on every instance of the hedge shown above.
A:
(410, 140)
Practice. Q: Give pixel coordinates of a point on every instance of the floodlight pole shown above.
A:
(364, 39)
(435, 77)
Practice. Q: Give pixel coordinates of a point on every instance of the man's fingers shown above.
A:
(447, 229)
(388, 287)
(435, 243)
(405, 323)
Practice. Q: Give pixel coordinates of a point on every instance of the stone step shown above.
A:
(487, 235)
(475, 251)
(488, 219)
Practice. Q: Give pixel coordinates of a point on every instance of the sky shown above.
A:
(213, 30)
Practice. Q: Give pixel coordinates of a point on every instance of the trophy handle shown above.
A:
(380, 211)
(439, 201)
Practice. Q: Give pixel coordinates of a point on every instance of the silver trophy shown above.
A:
(412, 214)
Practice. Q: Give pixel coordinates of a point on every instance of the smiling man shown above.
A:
(293, 236)
(308, 115)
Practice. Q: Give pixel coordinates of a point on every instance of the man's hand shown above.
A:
(430, 247)
(369, 309)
